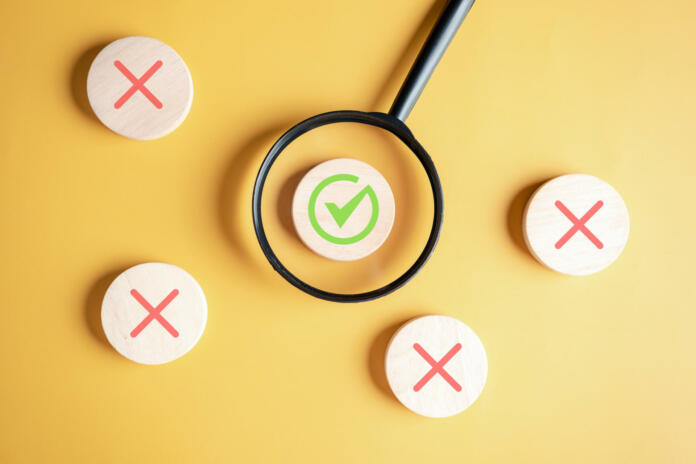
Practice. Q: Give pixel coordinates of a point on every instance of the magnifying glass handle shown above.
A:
(429, 56)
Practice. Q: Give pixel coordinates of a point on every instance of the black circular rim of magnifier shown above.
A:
(381, 120)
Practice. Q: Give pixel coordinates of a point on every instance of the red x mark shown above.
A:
(138, 84)
(155, 313)
(438, 367)
(579, 224)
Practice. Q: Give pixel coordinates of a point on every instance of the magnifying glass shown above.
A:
(393, 122)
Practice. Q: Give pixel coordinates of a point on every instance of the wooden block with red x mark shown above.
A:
(576, 224)
(436, 366)
(140, 88)
(154, 313)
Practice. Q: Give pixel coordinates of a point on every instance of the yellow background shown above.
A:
(592, 369)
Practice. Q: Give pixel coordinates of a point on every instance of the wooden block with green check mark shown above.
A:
(343, 209)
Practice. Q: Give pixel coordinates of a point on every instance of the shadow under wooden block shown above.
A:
(78, 79)
(516, 211)
(376, 357)
(93, 302)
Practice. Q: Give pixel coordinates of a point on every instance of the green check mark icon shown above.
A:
(342, 214)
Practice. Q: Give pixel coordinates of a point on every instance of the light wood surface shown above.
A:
(436, 366)
(154, 313)
(576, 224)
(343, 209)
(140, 88)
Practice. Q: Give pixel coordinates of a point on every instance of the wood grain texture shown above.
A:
(436, 337)
(170, 327)
(140, 88)
(576, 224)
(343, 209)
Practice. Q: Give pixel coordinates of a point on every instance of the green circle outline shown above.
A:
(313, 218)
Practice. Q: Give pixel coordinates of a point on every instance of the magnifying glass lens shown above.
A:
(344, 204)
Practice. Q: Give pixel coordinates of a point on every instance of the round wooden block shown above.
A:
(576, 224)
(343, 209)
(154, 313)
(140, 88)
(436, 366)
